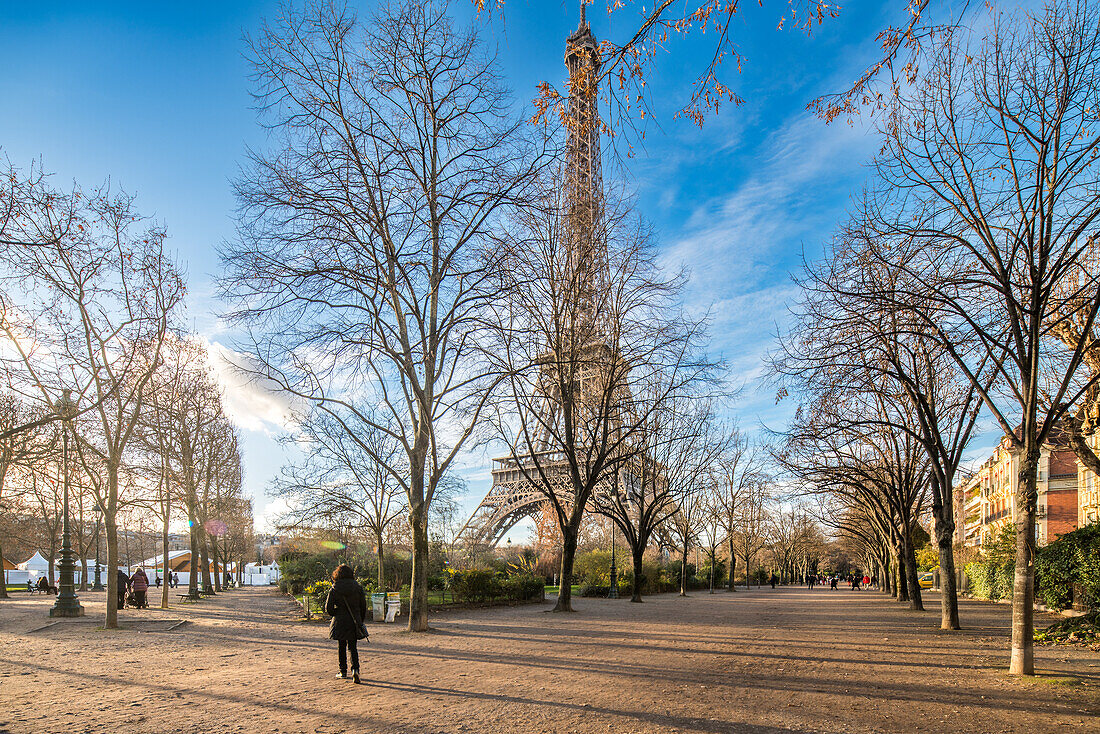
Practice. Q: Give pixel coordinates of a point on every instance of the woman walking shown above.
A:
(347, 605)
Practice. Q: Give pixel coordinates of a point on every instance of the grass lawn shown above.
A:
(575, 588)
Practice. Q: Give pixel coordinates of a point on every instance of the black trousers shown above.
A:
(347, 646)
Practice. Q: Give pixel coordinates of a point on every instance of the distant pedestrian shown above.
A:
(175, 580)
(347, 605)
(139, 585)
(158, 580)
(832, 583)
(773, 579)
(123, 582)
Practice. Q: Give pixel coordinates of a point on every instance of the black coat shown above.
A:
(347, 605)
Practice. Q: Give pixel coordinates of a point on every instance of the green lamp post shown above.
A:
(67, 604)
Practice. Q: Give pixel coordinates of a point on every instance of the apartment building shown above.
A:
(1088, 489)
(987, 501)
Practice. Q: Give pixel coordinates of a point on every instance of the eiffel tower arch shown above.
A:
(513, 497)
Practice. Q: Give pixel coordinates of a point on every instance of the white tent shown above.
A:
(258, 575)
(37, 562)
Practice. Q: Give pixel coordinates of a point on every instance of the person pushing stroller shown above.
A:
(139, 586)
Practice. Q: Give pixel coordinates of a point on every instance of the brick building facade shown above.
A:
(986, 501)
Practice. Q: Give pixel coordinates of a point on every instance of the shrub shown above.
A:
(475, 585)
(1076, 630)
(1072, 560)
(991, 577)
(299, 570)
(928, 557)
(524, 587)
(719, 573)
(478, 585)
(989, 580)
(319, 590)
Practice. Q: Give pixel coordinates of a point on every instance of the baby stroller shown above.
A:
(137, 601)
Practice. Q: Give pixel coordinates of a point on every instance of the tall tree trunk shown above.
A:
(110, 525)
(193, 574)
(712, 570)
(207, 587)
(216, 567)
(684, 570)
(418, 597)
(381, 561)
(1022, 661)
(636, 553)
(916, 603)
(949, 597)
(733, 565)
(568, 554)
(167, 570)
(901, 583)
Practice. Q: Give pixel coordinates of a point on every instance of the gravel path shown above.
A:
(768, 661)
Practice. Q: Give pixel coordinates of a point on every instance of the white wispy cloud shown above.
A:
(739, 246)
(250, 402)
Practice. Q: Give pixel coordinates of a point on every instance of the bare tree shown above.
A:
(753, 520)
(357, 269)
(870, 465)
(16, 448)
(651, 482)
(844, 340)
(733, 472)
(712, 533)
(340, 483)
(591, 345)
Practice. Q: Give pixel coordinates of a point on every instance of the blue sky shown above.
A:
(155, 96)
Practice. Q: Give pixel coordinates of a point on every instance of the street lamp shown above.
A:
(98, 585)
(67, 604)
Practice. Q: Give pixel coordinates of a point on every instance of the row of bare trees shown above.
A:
(964, 284)
(92, 354)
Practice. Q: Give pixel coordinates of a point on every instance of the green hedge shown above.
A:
(478, 585)
(990, 580)
(592, 571)
(1071, 561)
(596, 590)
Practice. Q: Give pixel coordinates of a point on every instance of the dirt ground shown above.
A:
(788, 660)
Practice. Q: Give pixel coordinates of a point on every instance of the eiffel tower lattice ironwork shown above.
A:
(513, 496)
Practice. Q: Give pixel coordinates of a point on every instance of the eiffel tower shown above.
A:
(513, 497)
